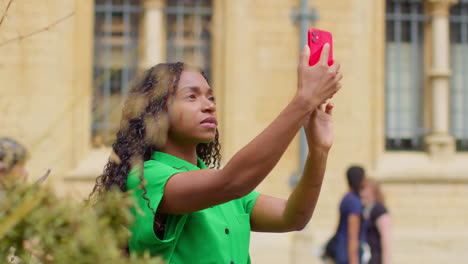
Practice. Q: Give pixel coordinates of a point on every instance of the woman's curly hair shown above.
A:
(144, 128)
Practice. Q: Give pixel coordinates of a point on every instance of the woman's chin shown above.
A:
(206, 139)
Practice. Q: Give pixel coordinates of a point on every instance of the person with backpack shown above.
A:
(345, 247)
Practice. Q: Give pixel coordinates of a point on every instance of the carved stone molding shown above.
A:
(153, 3)
(440, 7)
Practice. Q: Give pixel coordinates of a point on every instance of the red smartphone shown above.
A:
(316, 39)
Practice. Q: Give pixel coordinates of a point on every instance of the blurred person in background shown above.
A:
(13, 158)
(378, 222)
(350, 235)
(167, 154)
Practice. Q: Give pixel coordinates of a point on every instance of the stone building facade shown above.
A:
(64, 72)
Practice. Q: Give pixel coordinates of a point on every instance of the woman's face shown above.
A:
(17, 174)
(367, 193)
(192, 110)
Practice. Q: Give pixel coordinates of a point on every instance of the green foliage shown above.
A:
(39, 227)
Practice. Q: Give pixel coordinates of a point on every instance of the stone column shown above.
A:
(440, 143)
(154, 35)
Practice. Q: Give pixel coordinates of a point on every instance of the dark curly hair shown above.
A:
(144, 128)
(11, 154)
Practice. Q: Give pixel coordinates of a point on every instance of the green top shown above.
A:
(219, 234)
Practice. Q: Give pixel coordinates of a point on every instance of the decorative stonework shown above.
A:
(440, 7)
(440, 147)
(153, 44)
(153, 3)
(440, 144)
(440, 73)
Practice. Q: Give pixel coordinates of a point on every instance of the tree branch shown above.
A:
(21, 37)
(6, 11)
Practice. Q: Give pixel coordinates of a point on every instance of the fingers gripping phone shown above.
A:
(316, 40)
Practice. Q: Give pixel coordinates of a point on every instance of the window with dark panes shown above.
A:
(404, 75)
(189, 32)
(459, 81)
(116, 35)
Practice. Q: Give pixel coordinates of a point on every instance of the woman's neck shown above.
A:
(185, 151)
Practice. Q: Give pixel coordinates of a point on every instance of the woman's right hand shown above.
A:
(320, 82)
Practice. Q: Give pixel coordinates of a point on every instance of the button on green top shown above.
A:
(219, 234)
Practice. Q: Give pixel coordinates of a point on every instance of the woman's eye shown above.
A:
(212, 98)
(192, 96)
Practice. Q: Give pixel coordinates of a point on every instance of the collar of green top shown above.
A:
(176, 162)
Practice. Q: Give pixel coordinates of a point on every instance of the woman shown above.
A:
(167, 154)
(379, 223)
(13, 158)
(350, 232)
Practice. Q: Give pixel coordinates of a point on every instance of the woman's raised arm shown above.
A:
(192, 191)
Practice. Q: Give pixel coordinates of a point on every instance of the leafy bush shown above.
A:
(37, 226)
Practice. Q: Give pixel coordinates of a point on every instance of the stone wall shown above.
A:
(46, 93)
(44, 86)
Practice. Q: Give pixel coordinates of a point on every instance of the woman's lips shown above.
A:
(208, 125)
(209, 122)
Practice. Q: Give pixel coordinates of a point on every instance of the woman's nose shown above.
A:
(209, 106)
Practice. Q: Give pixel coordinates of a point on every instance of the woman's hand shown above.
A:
(319, 127)
(320, 82)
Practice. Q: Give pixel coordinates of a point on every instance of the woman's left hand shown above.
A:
(319, 127)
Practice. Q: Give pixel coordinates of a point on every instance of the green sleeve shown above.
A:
(143, 237)
(249, 201)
